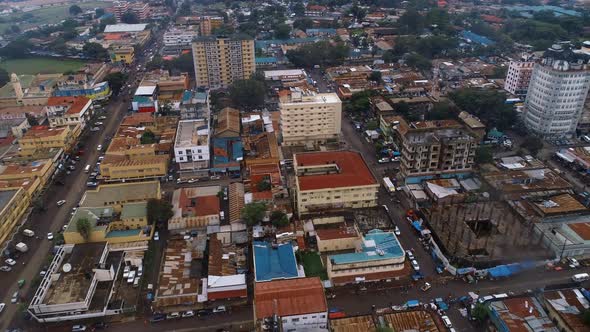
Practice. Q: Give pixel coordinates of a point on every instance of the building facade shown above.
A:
(431, 149)
(42, 137)
(191, 148)
(13, 205)
(220, 61)
(557, 92)
(68, 111)
(333, 181)
(519, 75)
(122, 54)
(309, 118)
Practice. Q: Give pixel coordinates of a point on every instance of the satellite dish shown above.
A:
(67, 267)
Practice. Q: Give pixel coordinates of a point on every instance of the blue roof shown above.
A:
(227, 154)
(476, 38)
(270, 59)
(375, 242)
(274, 263)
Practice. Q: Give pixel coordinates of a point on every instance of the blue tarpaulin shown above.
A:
(412, 303)
(417, 225)
(465, 270)
(499, 271)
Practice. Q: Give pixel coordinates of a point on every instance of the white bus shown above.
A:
(389, 185)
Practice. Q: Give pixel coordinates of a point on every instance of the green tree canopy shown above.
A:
(148, 137)
(253, 213)
(282, 31)
(4, 77)
(84, 228)
(320, 53)
(375, 76)
(533, 144)
(116, 81)
(75, 10)
(488, 105)
(479, 312)
(159, 211)
(95, 51)
(129, 18)
(16, 49)
(99, 12)
(248, 94)
(279, 219)
(586, 317)
(483, 155)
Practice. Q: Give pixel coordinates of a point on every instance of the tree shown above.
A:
(483, 155)
(533, 144)
(299, 9)
(84, 228)
(185, 9)
(264, 185)
(357, 12)
(253, 213)
(247, 94)
(148, 137)
(418, 61)
(16, 49)
(321, 53)
(99, 12)
(129, 18)
(442, 111)
(158, 211)
(586, 317)
(375, 76)
(282, 31)
(75, 10)
(95, 51)
(279, 219)
(116, 81)
(479, 312)
(488, 105)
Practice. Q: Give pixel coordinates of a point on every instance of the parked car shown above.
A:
(61, 202)
(98, 123)
(447, 321)
(94, 129)
(14, 298)
(157, 318)
(78, 328)
(2, 305)
(173, 315)
(49, 236)
(219, 309)
(573, 263)
(426, 287)
(188, 313)
(415, 265)
(204, 312)
(383, 160)
(156, 236)
(102, 117)
(410, 255)
(397, 231)
(5, 268)
(10, 262)
(99, 147)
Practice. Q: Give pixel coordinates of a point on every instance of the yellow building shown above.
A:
(37, 169)
(13, 205)
(123, 54)
(127, 159)
(338, 180)
(308, 117)
(117, 213)
(219, 61)
(42, 138)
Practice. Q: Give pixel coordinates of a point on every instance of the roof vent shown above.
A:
(67, 267)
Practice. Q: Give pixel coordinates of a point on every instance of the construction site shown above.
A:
(483, 233)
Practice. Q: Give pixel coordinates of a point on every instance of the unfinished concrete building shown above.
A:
(483, 232)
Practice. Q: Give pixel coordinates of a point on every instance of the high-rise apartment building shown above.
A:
(119, 8)
(557, 92)
(219, 61)
(519, 74)
(435, 148)
(208, 24)
(308, 117)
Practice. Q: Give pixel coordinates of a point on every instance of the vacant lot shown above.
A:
(312, 264)
(49, 15)
(34, 66)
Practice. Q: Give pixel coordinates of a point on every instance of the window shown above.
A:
(294, 320)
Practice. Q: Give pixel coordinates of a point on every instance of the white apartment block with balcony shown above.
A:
(191, 148)
(179, 37)
(307, 117)
(519, 74)
(557, 92)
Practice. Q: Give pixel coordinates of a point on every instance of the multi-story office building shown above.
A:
(219, 61)
(333, 181)
(13, 205)
(191, 149)
(68, 111)
(179, 38)
(308, 117)
(557, 92)
(43, 138)
(140, 9)
(433, 149)
(519, 74)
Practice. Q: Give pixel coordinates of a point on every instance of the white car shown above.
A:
(2, 305)
(98, 124)
(573, 263)
(102, 117)
(447, 321)
(156, 236)
(410, 255)
(415, 265)
(397, 231)
(99, 147)
(49, 236)
(189, 313)
(220, 308)
(10, 262)
(61, 202)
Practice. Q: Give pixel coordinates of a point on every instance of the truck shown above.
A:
(389, 186)
(28, 233)
(21, 247)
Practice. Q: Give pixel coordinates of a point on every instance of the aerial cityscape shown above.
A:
(295, 165)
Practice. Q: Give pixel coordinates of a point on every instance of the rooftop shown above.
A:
(22, 169)
(175, 275)
(353, 324)
(196, 201)
(114, 194)
(300, 96)
(569, 304)
(225, 260)
(516, 181)
(39, 132)
(564, 203)
(72, 105)
(376, 245)
(521, 314)
(5, 197)
(134, 210)
(338, 169)
(228, 120)
(125, 27)
(274, 261)
(192, 133)
(340, 232)
(418, 320)
(289, 297)
(99, 218)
